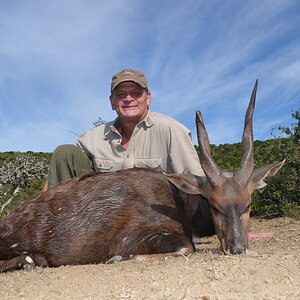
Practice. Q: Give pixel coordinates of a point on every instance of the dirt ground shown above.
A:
(271, 270)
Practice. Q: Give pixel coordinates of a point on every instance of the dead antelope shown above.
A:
(229, 194)
(135, 213)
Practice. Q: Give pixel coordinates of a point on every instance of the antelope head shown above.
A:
(228, 194)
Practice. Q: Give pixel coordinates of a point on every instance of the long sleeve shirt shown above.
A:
(158, 142)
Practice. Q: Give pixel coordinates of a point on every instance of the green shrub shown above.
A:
(282, 194)
(21, 177)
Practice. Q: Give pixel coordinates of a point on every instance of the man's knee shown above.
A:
(72, 156)
(67, 161)
(63, 152)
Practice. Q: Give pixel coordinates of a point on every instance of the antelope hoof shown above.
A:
(28, 267)
(115, 259)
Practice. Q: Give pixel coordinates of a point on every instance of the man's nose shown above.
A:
(129, 97)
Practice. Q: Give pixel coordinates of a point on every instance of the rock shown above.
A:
(250, 253)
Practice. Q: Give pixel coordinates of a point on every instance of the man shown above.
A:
(137, 138)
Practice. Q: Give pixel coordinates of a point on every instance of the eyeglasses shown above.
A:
(134, 94)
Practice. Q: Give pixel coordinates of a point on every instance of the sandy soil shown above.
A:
(270, 271)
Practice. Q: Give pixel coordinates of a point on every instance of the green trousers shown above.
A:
(67, 162)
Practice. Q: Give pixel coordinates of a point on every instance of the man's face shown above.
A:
(130, 101)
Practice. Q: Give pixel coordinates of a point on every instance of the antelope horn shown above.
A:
(210, 168)
(244, 171)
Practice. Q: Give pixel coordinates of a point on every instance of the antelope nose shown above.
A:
(237, 249)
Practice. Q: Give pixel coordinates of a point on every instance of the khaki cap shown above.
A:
(129, 75)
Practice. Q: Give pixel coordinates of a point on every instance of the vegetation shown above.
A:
(21, 177)
(22, 174)
(294, 131)
(282, 194)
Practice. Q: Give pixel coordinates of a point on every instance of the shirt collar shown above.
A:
(148, 121)
(114, 125)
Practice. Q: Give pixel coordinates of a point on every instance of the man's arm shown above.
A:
(183, 155)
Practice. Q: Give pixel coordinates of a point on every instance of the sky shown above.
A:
(57, 59)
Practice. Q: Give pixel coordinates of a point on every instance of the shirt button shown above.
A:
(127, 155)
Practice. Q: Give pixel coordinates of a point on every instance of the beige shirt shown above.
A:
(158, 142)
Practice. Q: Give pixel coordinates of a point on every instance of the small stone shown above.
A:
(252, 271)
(251, 253)
(167, 292)
(156, 277)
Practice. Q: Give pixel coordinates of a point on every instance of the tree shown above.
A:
(294, 131)
(17, 174)
(282, 195)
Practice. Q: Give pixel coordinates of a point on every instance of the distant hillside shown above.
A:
(282, 194)
(22, 175)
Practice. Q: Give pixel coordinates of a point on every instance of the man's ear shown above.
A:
(262, 173)
(190, 184)
(149, 97)
(112, 102)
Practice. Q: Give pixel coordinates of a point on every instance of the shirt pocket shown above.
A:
(103, 165)
(154, 163)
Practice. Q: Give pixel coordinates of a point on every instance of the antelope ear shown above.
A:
(189, 184)
(260, 174)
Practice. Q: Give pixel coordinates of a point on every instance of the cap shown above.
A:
(129, 75)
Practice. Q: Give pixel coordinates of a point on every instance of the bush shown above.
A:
(282, 194)
(21, 177)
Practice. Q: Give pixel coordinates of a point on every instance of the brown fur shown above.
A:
(96, 217)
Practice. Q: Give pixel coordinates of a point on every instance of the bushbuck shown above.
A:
(228, 194)
(136, 213)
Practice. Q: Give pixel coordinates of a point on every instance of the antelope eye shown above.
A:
(213, 208)
(247, 208)
(217, 211)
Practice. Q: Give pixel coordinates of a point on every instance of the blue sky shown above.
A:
(57, 58)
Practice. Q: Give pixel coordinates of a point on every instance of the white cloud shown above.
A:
(57, 59)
